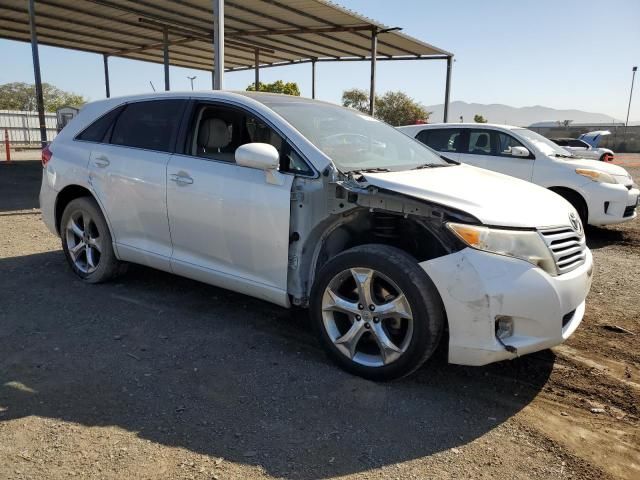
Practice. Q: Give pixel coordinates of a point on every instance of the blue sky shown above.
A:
(556, 53)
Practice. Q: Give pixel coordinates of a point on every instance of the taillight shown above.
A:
(46, 155)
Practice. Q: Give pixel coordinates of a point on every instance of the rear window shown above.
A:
(97, 131)
(152, 125)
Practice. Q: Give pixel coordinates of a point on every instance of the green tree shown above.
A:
(357, 99)
(288, 88)
(398, 108)
(22, 96)
(395, 108)
(479, 119)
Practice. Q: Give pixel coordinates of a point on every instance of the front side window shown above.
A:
(152, 125)
(217, 132)
(442, 139)
(577, 143)
(505, 143)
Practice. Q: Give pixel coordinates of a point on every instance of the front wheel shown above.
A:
(376, 312)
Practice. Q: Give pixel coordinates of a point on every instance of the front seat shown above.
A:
(214, 135)
(480, 148)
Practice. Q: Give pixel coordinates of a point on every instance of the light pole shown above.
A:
(191, 79)
(626, 124)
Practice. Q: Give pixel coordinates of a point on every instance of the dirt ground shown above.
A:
(155, 376)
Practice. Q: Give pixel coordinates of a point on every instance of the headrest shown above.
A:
(214, 133)
(482, 141)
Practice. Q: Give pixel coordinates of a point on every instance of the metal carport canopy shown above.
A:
(257, 33)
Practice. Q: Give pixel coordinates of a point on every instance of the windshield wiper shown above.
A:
(430, 165)
(562, 155)
(370, 170)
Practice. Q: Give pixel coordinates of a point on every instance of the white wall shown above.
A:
(22, 127)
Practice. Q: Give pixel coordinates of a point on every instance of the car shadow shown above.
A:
(599, 237)
(189, 365)
(20, 185)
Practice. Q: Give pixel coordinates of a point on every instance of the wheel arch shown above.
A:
(388, 228)
(567, 193)
(70, 193)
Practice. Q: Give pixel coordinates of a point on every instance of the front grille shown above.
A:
(629, 211)
(567, 246)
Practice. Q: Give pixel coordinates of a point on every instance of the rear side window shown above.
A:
(152, 125)
(442, 139)
(97, 131)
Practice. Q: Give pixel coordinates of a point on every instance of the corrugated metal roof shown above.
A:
(285, 31)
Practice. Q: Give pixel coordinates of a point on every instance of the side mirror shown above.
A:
(519, 152)
(261, 156)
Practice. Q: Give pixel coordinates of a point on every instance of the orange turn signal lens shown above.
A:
(467, 233)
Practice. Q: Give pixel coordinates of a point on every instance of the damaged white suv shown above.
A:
(300, 202)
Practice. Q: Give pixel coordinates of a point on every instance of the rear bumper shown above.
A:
(48, 201)
(476, 287)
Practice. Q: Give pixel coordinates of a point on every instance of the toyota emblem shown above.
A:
(575, 222)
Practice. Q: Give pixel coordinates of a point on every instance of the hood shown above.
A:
(493, 198)
(620, 173)
(603, 150)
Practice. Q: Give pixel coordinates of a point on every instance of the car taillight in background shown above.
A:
(46, 155)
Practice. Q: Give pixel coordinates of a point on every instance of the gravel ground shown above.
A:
(156, 376)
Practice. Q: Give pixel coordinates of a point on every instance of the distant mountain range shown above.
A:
(522, 116)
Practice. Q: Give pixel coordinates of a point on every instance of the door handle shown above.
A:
(101, 162)
(181, 179)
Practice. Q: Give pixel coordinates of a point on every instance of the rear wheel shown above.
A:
(87, 243)
(605, 157)
(376, 312)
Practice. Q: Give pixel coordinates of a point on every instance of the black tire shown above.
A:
(106, 265)
(577, 202)
(428, 313)
(604, 157)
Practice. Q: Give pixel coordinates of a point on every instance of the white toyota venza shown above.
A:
(302, 203)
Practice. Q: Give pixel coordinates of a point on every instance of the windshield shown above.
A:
(543, 144)
(353, 141)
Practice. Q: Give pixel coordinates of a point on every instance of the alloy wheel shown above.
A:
(83, 242)
(367, 317)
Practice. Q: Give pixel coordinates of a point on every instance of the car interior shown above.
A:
(220, 131)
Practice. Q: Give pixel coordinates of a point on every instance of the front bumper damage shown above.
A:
(478, 287)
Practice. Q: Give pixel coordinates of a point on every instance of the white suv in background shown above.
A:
(602, 193)
(300, 202)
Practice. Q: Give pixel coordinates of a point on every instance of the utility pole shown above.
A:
(626, 124)
(191, 79)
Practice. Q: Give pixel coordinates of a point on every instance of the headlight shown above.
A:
(527, 245)
(596, 176)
